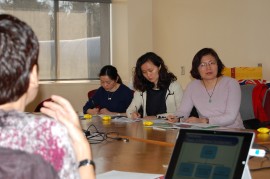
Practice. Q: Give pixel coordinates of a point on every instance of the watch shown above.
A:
(86, 162)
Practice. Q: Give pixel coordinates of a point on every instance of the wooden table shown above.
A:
(148, 150)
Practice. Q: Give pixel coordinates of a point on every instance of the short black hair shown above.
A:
(19, 50)
(111, 72)
(197, 61)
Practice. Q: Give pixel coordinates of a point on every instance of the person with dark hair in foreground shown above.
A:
(17, 164)
(216, 97)
(59, 140)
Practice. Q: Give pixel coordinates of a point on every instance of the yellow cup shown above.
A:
(106, 118)
(148, 123)
(87, 116)
(263, 130)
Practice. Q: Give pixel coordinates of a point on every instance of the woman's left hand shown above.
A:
(196, 120)
(61, 109)
(149, 117)
(172, 118)
(104, 111)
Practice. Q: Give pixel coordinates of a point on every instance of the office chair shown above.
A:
(91, 93)
(40, 105)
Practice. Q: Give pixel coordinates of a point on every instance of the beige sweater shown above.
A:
(174, 95)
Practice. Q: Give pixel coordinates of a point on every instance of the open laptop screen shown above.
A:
(209, 154)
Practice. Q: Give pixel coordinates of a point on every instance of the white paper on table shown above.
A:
(159, 121)
(114, 174)
(125, 119)
(195, 125)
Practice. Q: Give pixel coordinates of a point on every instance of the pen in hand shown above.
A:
(181, 119)
(172, 118)
(95, 109)
(135, 115)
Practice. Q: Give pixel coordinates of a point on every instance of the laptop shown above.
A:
(210, 154)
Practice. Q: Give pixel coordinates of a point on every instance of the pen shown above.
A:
(95, 106)
(93, 103)
(179, 118)
(136, 111)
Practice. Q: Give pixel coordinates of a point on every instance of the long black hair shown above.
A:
(165, 77)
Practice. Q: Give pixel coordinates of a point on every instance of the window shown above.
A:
(74, 35)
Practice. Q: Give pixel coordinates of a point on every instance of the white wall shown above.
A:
(131, 33)
(238, 30)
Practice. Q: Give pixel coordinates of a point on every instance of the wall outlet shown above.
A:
(182, 70)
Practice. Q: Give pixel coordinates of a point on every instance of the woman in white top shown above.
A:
(156, 91)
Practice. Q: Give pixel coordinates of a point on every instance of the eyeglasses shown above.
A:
(205, 64)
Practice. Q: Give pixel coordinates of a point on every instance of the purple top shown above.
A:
(223, 110)
(41, 135)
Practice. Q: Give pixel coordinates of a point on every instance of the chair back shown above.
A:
(40, 105)
(246, 107)
(266, 103)
(91, 93)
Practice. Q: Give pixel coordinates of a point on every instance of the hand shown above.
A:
(172, 118)
(61, 110)
(135, 115)
(105, 111)
(93, 111)
(196, 120)
(149, 117)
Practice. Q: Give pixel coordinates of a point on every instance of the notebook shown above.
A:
(210, 154)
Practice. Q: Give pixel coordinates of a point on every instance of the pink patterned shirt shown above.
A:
(40, 135)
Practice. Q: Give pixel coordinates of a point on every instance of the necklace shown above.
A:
(111, 91)
(210, 95)
(110, 95)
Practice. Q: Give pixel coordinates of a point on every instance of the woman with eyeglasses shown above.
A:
(157, 91)
(216, 97)
(112, 98)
